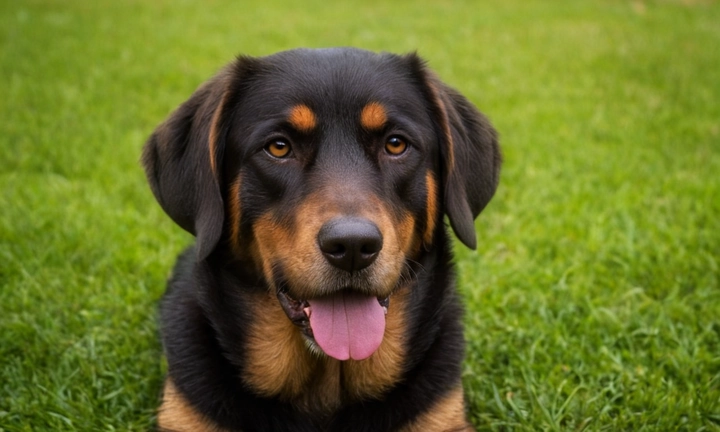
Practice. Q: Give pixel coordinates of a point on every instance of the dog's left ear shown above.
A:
(469, 151)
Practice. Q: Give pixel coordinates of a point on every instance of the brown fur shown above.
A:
(234, 211)
(431, 207)
(447, 415)
(373, 116)
(302, 118)
(277, 362)
(176, 415)
(445, 124)
(212, 136)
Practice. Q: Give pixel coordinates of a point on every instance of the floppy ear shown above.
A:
(181, 161)
(470, 155)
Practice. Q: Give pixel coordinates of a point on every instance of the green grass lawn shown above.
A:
(593, 301)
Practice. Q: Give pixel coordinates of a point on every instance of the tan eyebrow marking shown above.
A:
(373, 116)
(302, 118)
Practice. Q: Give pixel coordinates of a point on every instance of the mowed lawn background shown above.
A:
(592, 302)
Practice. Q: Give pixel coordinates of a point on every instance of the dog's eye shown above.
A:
(278, 148)
(395, 146)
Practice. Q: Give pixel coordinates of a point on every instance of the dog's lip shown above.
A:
(299, 311)
(294, 309)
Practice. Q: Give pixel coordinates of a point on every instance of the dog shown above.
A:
(319, 294)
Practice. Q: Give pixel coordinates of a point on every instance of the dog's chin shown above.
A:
(346, 324)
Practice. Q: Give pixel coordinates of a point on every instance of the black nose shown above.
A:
(350, 243)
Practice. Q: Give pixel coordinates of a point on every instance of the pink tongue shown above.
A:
(347, 324)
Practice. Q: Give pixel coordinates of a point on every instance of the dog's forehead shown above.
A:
(334, 82)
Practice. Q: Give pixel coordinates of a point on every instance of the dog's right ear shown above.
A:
(182, 158)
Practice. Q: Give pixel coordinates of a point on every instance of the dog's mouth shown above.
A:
(345, 325)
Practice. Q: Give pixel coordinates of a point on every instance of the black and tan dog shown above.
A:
(319, 295)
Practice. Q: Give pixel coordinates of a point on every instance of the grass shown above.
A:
(593, 301)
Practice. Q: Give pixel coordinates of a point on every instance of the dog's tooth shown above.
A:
(307, 311)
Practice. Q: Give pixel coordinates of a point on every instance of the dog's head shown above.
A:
(327, 171)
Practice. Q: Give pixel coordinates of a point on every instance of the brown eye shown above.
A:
(395, 146)
(278, 149)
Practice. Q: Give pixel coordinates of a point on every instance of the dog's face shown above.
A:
(326, 172)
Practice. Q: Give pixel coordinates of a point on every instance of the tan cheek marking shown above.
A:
(234, 210)
(269, 241)
(213, 134)
(373, 116)
(176, 414)
(431, 206)
(278, 362)
(404, 244)
(295, 248)
(373, 376)
(408, 242)
(302, 118)
(448, 414)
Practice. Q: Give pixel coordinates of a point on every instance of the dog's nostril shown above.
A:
(350, 243)
(372, 245)
(335, 249)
